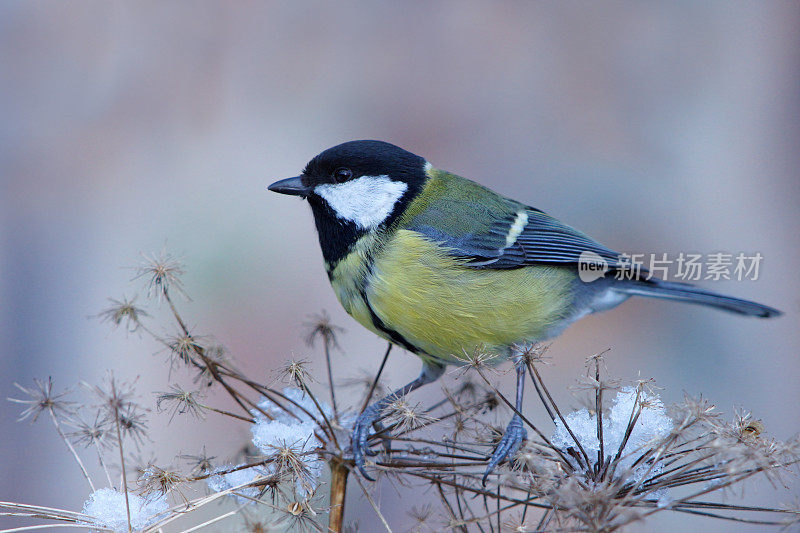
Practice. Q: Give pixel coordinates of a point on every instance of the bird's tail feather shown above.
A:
(684, 292)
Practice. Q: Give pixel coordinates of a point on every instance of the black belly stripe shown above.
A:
(379, 324)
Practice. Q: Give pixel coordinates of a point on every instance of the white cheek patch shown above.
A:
(365, 201)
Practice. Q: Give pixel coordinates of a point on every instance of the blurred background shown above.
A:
(132, 127)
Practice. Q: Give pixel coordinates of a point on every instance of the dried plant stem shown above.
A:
(121, 457)
(42, 526)
(69, 445)
(377, 377)
(248, 419)
(535, 372)
(339, 473)
(327, 344)
(522, 416)
(213, 520)
(327, 427)
(373, 504)
(455, 520)
(598, 407)
(103, 464)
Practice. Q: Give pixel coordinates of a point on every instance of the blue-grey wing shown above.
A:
(520, 237)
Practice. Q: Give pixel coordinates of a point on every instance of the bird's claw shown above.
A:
(358, 441)
(507, 447)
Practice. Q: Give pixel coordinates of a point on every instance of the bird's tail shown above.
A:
(684, 292)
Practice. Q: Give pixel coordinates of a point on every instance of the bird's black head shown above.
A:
(354, 188)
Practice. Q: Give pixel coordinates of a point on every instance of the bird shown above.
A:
(442, 266)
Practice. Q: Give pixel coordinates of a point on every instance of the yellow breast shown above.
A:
(444, 308)
(349, 278)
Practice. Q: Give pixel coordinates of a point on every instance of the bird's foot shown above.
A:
(360, 435)
(509, 444)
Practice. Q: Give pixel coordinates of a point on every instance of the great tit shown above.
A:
(442, 266)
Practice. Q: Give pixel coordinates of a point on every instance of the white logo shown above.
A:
(591, 266)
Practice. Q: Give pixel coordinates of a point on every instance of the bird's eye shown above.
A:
(342, 174)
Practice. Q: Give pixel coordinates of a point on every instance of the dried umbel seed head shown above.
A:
(530, 352)
(748, 427)
(161, 272)
(295, 508)
(123, 310)
(42, 398)
(753, 429)
(296, 371)
(478, 358)
(321, 327)
(406, 416)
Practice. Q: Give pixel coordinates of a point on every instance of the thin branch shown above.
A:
(372, 503)
(377, 378)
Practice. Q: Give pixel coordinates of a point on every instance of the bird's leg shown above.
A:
(515, 432)
(372, 414)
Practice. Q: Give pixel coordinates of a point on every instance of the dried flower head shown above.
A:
(321, 327)
(97, 433)
(747, 426)
(421, 515)
(299, 516)
(490, 401)
(530, 352)
(296, 371)
(42, 398)
(123, 311)
(405, 416)
(207, 366)
(162, 272)
(293, 463)
(118, 408)
(183, 349)
(114, 395)
(253, 525)
(200, 463)
(133, 423)
(480, 358)
(591, 383)
(518, 524)
(157, 480)
(180, 401)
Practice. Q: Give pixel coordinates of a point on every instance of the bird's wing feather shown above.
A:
(534, 237)
(491, 231)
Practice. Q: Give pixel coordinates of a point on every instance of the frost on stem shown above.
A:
(290, 447)
(244, 483)
(107, 507)
(289, 438)
(161, 481)
(555, 484)
(297, 405)
(644, 412)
